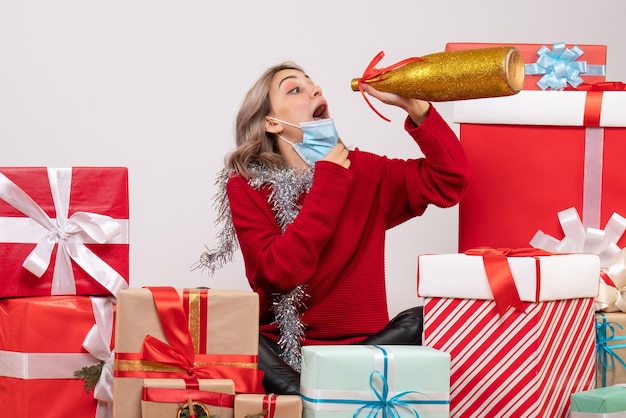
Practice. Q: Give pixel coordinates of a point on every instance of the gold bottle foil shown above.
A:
(455, 75)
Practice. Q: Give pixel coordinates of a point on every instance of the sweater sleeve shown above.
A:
(440, 178)
(278, 261)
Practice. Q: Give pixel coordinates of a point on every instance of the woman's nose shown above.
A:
(317, 91)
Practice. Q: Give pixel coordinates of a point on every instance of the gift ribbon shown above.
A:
(594, 149)
(559, 67)
(500, 277)
(381, 402)
(20, 365)
(605, 334)
(222, 400)
(579, 239)
(177, 357)
(269, 405)
(98, 343)
(612, 292)
(373, 74)
(196, 305)
(67, 233)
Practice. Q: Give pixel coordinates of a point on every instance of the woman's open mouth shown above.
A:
(321, 112)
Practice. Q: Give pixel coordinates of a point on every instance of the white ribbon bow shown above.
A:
(69, 233)
(613, 298)
(580, 240)
(593, 241)
(97, 343)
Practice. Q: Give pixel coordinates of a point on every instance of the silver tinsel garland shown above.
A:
(286, 187)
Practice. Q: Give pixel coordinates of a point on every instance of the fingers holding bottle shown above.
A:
(416, 108)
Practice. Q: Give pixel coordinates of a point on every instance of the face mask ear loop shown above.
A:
(285, 139)
(282, 121)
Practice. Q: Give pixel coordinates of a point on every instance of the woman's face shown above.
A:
(294, 98)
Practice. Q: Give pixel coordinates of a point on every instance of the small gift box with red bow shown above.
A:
(163, 332)
(267, 406)
(56, 356)
(518, 324)
(180, 398)
(63, 231)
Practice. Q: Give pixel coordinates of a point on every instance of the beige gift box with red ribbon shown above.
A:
(163, 332)
(267, 406)
(164, 398)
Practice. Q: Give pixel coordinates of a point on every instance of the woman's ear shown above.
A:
(272, 127)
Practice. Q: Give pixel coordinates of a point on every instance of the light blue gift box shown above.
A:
(351, 381)
(608, 402)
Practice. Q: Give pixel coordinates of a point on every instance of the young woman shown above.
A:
(310, 217)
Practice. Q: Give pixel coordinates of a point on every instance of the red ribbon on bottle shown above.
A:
(505, 293)
(372, 72)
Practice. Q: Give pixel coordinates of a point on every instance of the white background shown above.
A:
(154, 85)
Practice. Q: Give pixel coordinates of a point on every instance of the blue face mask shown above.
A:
(318, 138)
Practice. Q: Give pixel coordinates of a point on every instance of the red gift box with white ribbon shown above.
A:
(537, 154)
(43, 342)
(63, 231)
(518, 325)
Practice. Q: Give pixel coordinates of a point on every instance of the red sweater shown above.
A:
(336, 244)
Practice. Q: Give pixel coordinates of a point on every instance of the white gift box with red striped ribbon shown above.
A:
(514, 362)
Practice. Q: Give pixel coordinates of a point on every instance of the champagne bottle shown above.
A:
(451, 75)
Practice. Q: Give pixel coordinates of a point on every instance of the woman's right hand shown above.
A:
(338, 155)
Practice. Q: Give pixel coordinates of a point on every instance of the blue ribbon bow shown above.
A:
(559, 67)
(605, 333)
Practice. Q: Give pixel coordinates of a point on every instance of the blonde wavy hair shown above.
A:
(255, 146)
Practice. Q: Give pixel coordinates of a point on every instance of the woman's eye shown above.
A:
(294, 90)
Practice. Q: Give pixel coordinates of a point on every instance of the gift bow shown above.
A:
(612, 292)
(385, 405)
(605, 333)
(68, 233)
(560, 68)
(180, 351)
(180, 354)
(579, 239)
(98, 342)
(499, 276)
(603, 243)
(371, 73)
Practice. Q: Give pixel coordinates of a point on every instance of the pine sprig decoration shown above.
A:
(261, 414)
(198, 412)
(90, 375)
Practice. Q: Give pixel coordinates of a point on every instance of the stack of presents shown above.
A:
(527, 320)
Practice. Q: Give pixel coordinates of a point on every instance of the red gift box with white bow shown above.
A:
(547, 168)
(63, 231)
